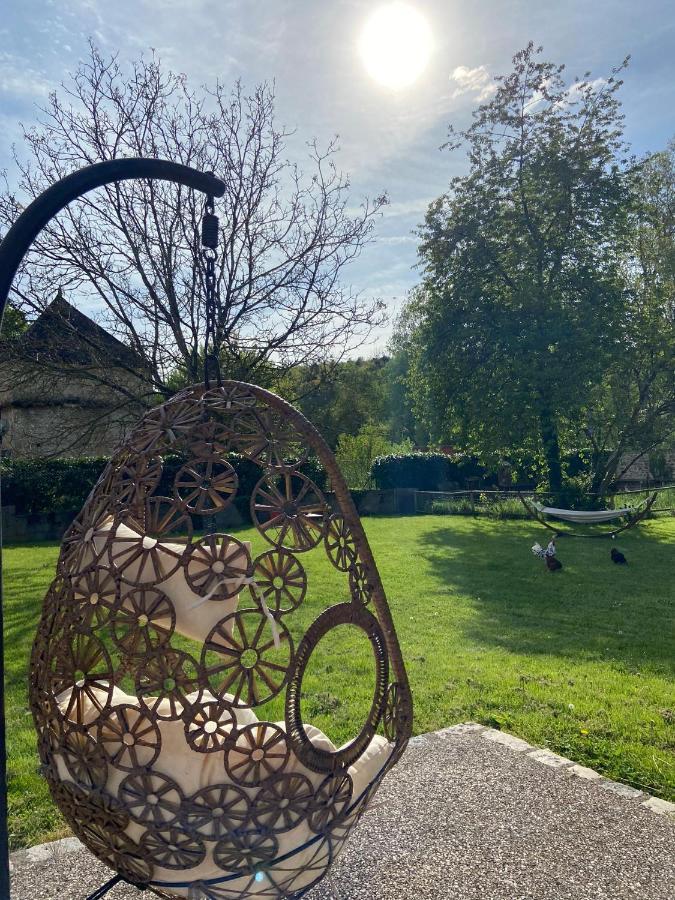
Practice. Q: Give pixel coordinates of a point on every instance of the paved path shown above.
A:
(466, 817)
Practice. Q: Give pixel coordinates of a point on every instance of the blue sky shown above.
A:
(389, 139)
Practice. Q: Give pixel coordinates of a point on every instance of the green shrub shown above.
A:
(573, 495)
(38, 486)
(482, 505)
(463, 506)
(35, 486)
(355, 453)
(528, 468)
(426, 471)
(507, 508)
(665, 501)
(659, 466)
(423, 471)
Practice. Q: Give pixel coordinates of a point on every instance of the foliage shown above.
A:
(14, 323)
(35, 486)
(425, 471)
(506, 508)
(422, 471)
(522, 298)
(483, 505)
(237, 365)
(665, 502)
(581, 664)
(341, 398)
(402, 420)
(660, 467)
(355, 453)
(462, 506)
(571, 495)
(631, 413)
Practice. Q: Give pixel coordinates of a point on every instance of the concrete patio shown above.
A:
(468, 814)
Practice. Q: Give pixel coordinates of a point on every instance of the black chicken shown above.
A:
(548, 555)
(618, 557)
(552, 563)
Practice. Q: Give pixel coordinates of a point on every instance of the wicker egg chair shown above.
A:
(160, 637)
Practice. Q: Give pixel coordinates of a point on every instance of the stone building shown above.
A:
(67, 387)
(649, 470)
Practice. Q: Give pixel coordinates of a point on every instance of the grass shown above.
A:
(581, 661)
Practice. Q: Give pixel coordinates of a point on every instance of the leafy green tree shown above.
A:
(340, 401)
(522, 296)
(632, 412)
(355, 453)
(403, 424)
(14, 323)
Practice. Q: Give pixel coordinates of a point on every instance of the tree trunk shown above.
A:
(604, 472)
(549, 439)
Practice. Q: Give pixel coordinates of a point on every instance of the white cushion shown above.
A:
(194, 771)
(195, 615)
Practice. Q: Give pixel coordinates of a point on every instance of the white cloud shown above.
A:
(25, 85)
(396, 208)
(407, 207)
(574, 91)
(473, 81)
(395, 239)
(19, 80)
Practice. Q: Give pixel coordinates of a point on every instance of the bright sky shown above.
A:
(386, 77)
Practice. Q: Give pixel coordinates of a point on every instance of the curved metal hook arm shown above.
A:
(13, 248)
(33, 219)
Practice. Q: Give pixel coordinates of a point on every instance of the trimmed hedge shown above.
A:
(35, 486)
(426, 471)
(438, 472)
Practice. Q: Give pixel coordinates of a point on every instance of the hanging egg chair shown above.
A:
(161, 638)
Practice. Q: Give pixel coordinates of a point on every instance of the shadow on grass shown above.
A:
(590, 609)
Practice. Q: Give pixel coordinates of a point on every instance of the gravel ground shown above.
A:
(465, 818)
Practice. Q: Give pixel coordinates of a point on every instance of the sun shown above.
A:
(395, 45)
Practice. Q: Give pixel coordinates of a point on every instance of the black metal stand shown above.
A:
(103, 890)
(13, 248)
(561, 531)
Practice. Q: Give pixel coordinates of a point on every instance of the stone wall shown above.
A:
(63, 413)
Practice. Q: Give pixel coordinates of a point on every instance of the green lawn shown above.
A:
(581, 661)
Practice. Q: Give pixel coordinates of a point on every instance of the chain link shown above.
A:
(209, 246)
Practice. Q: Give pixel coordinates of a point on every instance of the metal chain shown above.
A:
(209, 247)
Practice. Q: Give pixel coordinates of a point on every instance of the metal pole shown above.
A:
(13, 248)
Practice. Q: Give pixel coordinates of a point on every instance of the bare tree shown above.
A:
(133, 251)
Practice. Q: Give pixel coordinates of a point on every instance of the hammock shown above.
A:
(591, 517)
(583, 517)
